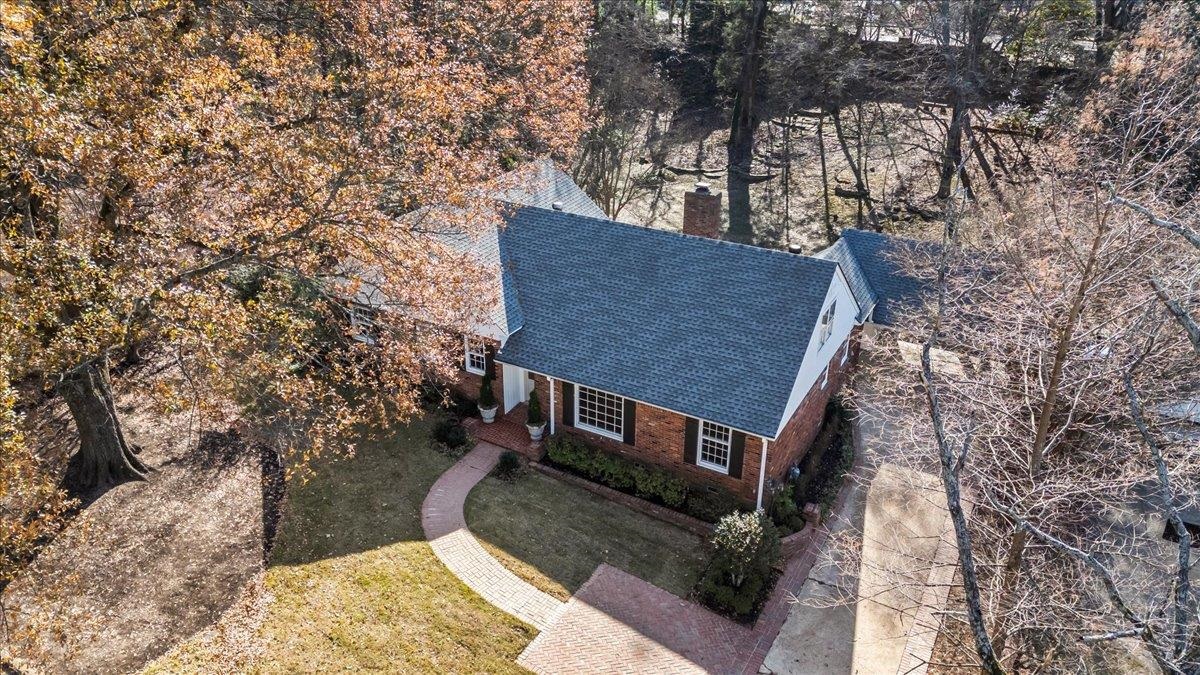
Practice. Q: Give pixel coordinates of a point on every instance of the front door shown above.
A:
(514, 386)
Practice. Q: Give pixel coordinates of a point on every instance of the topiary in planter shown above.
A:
(487, 398)
(535, 417)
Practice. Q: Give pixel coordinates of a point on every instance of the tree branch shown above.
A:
(1167, 495)
(1182, 230)
(1177, 310)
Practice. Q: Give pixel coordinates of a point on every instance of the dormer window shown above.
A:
(475, 358)
(827, 323)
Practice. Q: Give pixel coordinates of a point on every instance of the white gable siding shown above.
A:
(817, 357)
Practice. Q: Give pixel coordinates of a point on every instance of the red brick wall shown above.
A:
(659, 440)
(467, 384)
(800, 431)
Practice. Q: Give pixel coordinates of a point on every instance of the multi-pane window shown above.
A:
(714, 446)
(600, 411)
(476, 355)
(827, 323)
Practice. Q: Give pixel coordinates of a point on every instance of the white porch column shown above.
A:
(762, 472)
(551, 381)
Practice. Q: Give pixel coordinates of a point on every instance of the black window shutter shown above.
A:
(691, 431)
(489, 361)
(630, 421)
(737, 453)
(568, 404)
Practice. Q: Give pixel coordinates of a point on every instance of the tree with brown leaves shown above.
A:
(192, 177)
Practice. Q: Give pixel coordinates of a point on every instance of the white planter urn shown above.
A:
(488, 414)
(535, 431)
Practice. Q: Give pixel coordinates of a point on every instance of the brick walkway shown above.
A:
(615, 622)
(446, 530)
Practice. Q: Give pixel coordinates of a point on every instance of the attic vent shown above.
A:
(557, 206)
(795, 249)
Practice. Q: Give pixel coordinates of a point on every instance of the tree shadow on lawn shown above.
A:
(357, 587)
(360, 503)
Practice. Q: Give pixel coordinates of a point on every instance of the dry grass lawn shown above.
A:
(554, 535)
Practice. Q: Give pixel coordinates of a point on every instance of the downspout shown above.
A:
(551, 381)
(762, 472)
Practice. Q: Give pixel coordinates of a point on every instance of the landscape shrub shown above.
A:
(461, 406)
(534, 416)
(435, 396)
(487, 398)
(709, 503)
(432, 395)
(786, 513)
(827, 463)
(451, 436)
(738, 577)
(509, 467)
(616, 472)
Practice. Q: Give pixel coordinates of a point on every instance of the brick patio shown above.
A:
(507, 431)
(617, 623)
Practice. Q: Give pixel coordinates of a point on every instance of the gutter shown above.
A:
(762, 474)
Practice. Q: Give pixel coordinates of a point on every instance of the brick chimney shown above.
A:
(702, 212)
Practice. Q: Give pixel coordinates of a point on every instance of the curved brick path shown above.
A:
(446, 529)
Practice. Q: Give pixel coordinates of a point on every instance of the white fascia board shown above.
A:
(816, 357)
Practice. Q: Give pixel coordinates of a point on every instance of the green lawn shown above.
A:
(357, 587)
(553, 535)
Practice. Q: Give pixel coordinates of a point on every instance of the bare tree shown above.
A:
(1059, 422)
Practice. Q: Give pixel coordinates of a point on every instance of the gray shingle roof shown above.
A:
(879, 259)
(707, 328)
(547, 184)
(859, 286)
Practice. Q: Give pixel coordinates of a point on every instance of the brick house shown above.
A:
(709, 358)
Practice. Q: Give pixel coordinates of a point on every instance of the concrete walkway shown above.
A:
(446, 529)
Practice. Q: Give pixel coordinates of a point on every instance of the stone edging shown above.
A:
(689, 523)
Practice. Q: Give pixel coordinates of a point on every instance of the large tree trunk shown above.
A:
(744, 124)
(104, 456)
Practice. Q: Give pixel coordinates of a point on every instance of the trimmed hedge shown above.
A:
(616, 472)
(709, 504)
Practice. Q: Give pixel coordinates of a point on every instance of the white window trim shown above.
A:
(845, 353)
(827, 318)
(700, 461)
(467, 356)
(825, 377)
(597, 430)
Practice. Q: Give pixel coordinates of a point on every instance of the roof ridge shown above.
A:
(647, 228)
(884, 235)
